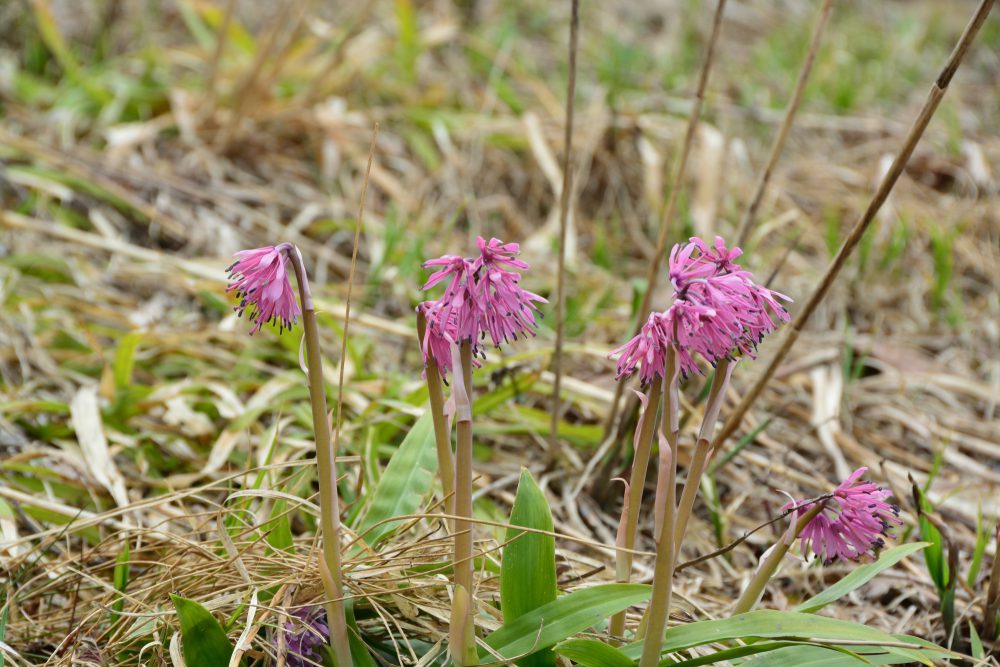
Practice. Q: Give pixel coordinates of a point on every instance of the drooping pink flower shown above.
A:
(436, 344)
(508, 310)
(647, 351)
(482, 297)
(852, 524)
(305, 631)
(259, 278)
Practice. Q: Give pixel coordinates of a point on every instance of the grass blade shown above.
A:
(563, 618)
(528, 568)
(405, 482)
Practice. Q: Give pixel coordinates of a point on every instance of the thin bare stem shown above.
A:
(358, 224)
(675, 186)
(564, 203)
(463, 609)
(213, 64)
(740, 540)
(442, 434)
(750, 215)
(916, 131)
(658, 613)
(326, 462)
(702, 448)
(637, 480)
(752, 593)
(992, 608)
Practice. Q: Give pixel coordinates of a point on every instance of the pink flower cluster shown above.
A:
(718, 312)
(853, 522)
(482, 297)
(261, 282)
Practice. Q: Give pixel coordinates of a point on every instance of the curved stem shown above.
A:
(633, 502)
(663, 570)
(755, 589)
(463, 608)
(442, 434)
(326, 462)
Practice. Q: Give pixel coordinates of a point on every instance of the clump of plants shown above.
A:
(717, 317)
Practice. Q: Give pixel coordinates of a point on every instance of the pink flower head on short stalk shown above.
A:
(260, 279)
(436, 343)
(482, 297)
(852, 524)
(718, 310)
(305, 632)
(508, 310)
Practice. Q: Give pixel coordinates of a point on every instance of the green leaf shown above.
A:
(733, 654)
(204, 641)
(405, 482)
(804, 655)
(765, 623)
(982, 539)
(279, 528)
(860, 576)
(975, 643)
(593, 653)
(125, 359)
(120, 577)
(528, 566)
(563, 618)
(359, 651)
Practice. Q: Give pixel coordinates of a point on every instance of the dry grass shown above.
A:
(116, 223)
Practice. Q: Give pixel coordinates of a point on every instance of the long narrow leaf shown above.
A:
(593, 653)
(528, 568)
(404, 484)
(563, 618)
(860, 576)
(764, 624)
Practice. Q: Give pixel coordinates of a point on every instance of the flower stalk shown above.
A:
(665, 509)
(633, 502)
(702, 448)
(442, 430)
(326, 462)
(769, 565)
(463, 607)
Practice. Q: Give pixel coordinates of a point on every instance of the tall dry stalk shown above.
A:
(564, 199)
(750, 214)
(610, 425)
(916, 131)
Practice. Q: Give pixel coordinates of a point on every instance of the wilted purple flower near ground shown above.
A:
(853, 522)
(483, 297)
(260, 280)
(304, 632)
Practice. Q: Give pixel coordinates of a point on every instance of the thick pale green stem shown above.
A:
(463, 607)
(630, 518)
(768, 566)
(658, 612)
(442, 434)
(326, 463)
(702, 449)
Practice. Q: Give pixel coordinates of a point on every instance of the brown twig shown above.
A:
(610, 425)
(934, 97)
(358, 224)
(564, 203)
(750, 215)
